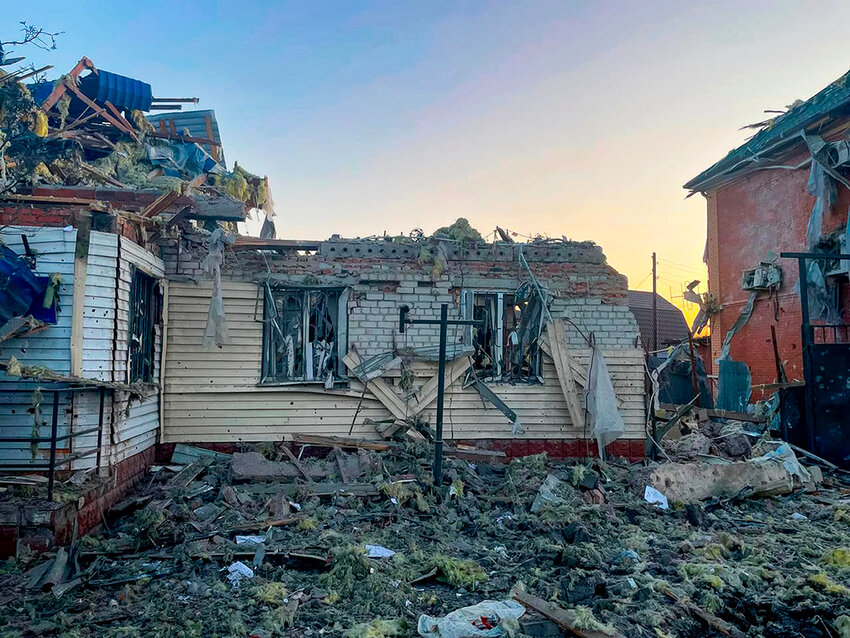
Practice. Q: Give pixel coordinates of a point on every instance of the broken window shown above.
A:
(506, 344)
(305, 334)
(145, 309)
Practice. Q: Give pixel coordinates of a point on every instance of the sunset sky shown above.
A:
(580, 119)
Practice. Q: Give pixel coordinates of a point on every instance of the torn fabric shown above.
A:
(216, 333)
(822, 188)
(607, 422)
(740, 322)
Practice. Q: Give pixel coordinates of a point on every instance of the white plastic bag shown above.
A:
(547, 494)
(470, 622)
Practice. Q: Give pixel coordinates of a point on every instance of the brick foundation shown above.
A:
(40, 525)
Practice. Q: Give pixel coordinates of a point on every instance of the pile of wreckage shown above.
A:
(335, 536)
(89, 129)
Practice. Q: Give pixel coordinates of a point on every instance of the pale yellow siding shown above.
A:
(213, 395)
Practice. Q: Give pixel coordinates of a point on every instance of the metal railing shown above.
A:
(54, 461)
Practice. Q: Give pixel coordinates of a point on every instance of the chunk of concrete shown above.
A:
(694, 482)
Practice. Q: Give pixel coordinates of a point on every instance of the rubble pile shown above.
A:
(357, 542)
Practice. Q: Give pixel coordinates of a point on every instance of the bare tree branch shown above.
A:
(36, 36)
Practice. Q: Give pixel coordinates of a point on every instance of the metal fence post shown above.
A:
(53, 434)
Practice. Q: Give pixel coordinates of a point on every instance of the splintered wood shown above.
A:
(557, 345)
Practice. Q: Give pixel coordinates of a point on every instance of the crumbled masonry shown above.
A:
(772, 567)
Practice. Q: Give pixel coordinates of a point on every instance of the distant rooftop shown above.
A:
(672, 327)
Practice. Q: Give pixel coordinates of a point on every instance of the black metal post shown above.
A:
(441, 388)
(443, 322)
(100, 426)
(53, 434)
(806, 335)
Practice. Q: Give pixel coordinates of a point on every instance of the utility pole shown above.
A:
(654, 305)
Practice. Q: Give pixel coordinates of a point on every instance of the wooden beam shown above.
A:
(48, 199)
(564, 618)
(454, 370)
(561, 358)
(379, 388)
(183, 138)
(340, 441)
(243, 242)
(61, 87)
(722, 414)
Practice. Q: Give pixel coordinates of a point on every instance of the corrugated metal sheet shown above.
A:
(121, 91)
(212, 395)
(50, 347)
(196, 122)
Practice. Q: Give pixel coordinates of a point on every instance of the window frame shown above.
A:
(142, 368)
(468, 305)
(269, 293)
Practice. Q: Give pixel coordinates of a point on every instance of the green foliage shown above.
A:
(460, 573)
(460, 231)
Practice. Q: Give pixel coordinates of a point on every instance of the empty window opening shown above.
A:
(305, 335)
(145, 309)
(506, 343)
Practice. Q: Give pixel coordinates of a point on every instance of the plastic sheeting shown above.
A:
(607, 422)
(673, 381)
(740, 322)
(216, 333)
(467, 621)
(178, 159)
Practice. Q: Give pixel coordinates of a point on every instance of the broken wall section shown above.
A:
(218, 395)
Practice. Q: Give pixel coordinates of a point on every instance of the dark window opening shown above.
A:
(145, 309)
(305, 335)
(506, 345)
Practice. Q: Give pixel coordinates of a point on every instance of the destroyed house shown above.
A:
(133, 317)
(786, 190)
(88, 184)
(309, 343)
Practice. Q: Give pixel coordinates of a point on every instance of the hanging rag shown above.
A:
(607, 422)
(216, 333)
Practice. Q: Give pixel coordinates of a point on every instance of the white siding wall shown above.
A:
(212, 395)
(138, 427)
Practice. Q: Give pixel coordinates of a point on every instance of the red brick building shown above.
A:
(758, 205)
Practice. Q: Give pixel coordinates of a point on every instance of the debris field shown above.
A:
(358, 542)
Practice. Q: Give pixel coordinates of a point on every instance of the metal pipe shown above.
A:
(806, 335)
(53, 433)
(694, 378)
(441, 387)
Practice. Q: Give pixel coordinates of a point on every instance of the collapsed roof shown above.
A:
(777, 136)
(88, 128)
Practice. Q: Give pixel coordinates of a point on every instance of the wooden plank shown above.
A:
(78, 303)
(560, 356)
(454, 370)
(340, 441)
(382, 391)
(722, 414)
(564, 618)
